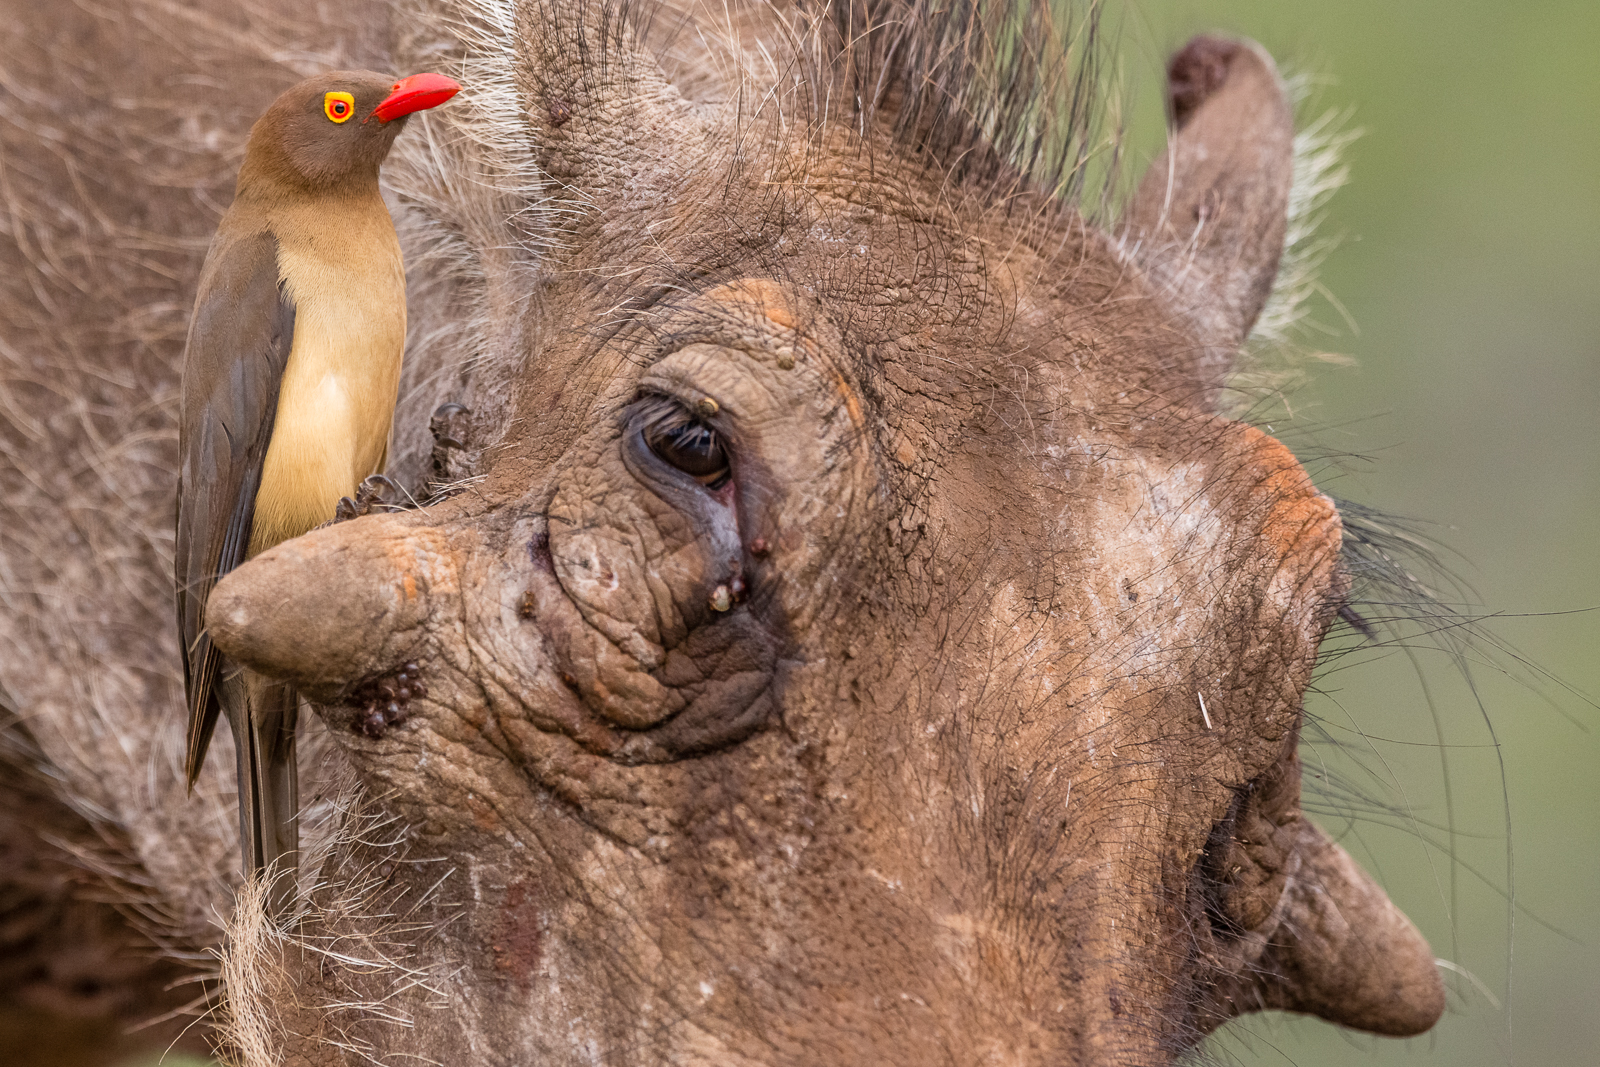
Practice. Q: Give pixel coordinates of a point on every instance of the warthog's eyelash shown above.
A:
(682, 441)
(1339, 604)
(1355, 619)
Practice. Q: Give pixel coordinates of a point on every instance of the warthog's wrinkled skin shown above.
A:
(959, 726)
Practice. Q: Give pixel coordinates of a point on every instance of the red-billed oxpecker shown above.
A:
(289, 386)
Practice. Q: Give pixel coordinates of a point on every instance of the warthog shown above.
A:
(842, 626)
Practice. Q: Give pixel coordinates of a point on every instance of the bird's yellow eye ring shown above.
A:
(338, 106)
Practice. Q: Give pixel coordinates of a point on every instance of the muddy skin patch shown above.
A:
(516, 942)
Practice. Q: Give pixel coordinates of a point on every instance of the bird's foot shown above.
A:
(375, 493)
(450, 427)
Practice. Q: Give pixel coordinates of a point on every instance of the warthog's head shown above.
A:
(861, 639)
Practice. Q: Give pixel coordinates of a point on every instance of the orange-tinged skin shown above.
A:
(1302, 521)
(765, 293)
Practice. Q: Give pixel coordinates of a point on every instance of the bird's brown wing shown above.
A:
(239, 342)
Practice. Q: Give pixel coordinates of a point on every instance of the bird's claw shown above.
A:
(375, 493)
(450, 427)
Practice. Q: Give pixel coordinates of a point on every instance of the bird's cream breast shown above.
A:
(336, 404)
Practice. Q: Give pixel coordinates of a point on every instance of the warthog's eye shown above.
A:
(684, 442)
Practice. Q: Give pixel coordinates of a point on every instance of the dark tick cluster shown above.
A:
(386, 701)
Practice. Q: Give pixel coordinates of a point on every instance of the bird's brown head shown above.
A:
(333, 130)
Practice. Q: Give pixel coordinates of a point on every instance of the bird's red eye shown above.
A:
(338, 106)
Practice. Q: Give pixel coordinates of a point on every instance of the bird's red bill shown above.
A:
(416, 93)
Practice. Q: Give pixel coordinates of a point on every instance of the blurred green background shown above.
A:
(1470, 268)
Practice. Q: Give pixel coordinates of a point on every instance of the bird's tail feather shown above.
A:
(264, 714)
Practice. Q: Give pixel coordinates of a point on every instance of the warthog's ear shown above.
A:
(609, 125)
(1210, 215)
